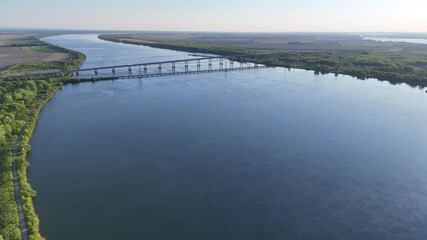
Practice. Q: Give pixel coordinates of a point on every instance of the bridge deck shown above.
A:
(241, 57)
(160, 74)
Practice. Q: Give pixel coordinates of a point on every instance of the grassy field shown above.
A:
(324, 53)
(8, 39)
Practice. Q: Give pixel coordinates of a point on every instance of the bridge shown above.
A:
(207, 64)
(199, 65)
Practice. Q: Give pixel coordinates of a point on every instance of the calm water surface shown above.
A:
(263, 154)
(392, 39)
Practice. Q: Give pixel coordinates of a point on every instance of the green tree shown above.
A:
(11, 232)
(2, 133)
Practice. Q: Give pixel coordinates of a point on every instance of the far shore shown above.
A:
(360, 58)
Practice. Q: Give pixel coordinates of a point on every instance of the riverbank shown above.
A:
(24, 193)
(154, 150)
(393, 62)
(93, 79)
(21, 101)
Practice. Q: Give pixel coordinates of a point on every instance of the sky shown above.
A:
(218, 15)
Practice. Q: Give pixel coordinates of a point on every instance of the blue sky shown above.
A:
(219, 15)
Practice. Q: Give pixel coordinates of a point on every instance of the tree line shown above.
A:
(20, 102)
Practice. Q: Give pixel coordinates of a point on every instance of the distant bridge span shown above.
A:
(175, 67)
(164, 74)
(199, 65)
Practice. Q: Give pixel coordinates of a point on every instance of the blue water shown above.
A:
(260, 154)
(393, 39)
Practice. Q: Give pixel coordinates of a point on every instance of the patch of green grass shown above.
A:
(43, 49)
(27, 67)
(26, 50)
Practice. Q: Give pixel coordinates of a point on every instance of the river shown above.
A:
(386, 38)
(259, 154)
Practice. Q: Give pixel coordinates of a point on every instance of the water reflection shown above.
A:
(263, 154)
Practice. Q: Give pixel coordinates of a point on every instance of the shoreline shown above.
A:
(20, 164)
(284, 59)
(23, 192)
(21, 148)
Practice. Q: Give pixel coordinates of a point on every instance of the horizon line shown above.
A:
(201, 31)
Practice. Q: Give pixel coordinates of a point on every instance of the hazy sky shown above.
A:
(218, 15)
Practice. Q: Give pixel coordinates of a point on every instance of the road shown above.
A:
(17, 186)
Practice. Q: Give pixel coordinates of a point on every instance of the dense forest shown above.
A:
(19, 104)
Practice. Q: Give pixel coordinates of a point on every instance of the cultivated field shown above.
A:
(26, 49)
(288, 42)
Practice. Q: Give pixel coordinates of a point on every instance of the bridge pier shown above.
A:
(224, 64)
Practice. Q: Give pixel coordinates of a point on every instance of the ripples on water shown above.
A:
(263, 154)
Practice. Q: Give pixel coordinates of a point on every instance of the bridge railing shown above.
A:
(212, 62)
(221, 62)
(242, 57)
